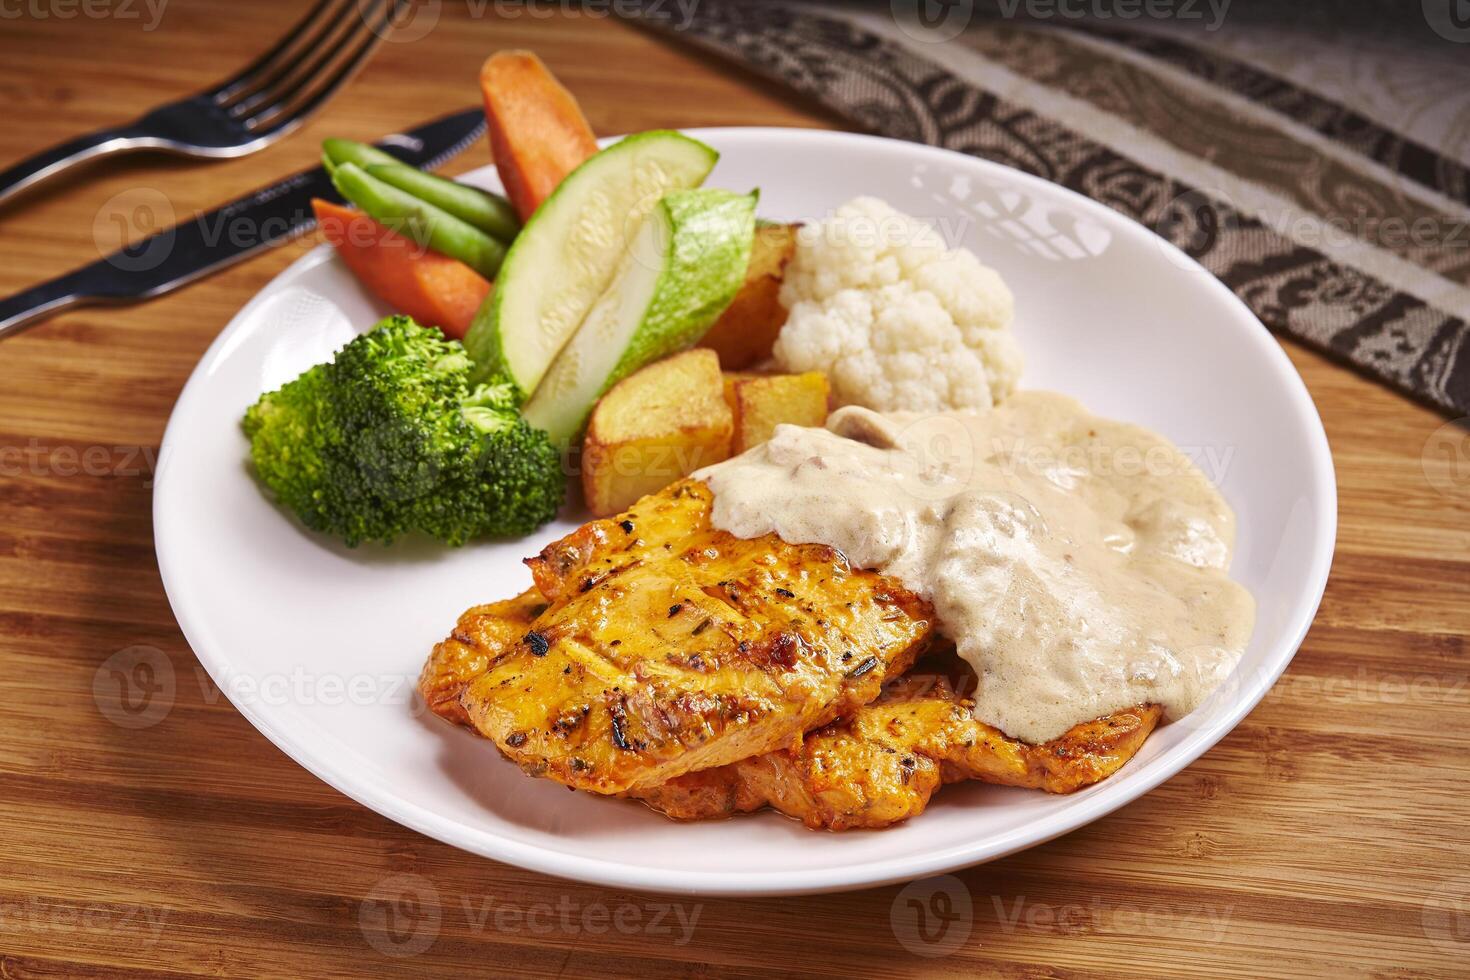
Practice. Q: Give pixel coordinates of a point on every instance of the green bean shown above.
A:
(488, 212)
(419, 220)
(336, 152)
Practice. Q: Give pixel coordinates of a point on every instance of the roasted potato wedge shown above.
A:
(763, 402)
(746, 331)
(655, 426)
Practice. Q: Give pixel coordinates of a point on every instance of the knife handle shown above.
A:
(39, 302)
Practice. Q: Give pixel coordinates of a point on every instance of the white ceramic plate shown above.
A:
(319, 645)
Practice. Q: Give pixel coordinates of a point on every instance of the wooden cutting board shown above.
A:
(1326, 836)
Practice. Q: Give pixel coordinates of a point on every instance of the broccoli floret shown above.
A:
(389, 437)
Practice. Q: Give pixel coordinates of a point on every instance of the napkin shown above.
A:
(1313, 158)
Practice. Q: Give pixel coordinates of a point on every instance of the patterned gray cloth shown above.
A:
(1317, 166)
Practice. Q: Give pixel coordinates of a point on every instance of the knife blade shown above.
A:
(216, 239)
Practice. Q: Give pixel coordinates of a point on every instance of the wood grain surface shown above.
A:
(1326, 836)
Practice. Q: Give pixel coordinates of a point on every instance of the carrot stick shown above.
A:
(433, 289)
(538, 134)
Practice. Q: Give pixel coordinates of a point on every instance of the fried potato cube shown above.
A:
(745, 333)
(763, 402)
(733, 378)
(655, 426)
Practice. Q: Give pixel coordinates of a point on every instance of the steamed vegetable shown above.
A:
(389, 437)
(762, 402)
(488, 212)
(655, 426)
(339, 151)
(679, 272)
(568, 252)
(419, 220)
(898, 321)
(538, 134)
(747, 330)
(433, 289)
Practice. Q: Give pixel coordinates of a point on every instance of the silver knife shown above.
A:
(216, 239)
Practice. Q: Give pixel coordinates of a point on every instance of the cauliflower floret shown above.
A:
(898, 321)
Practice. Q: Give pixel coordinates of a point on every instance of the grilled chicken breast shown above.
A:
(483, 633)
(668, 647)
(884, 763)
(878, 766)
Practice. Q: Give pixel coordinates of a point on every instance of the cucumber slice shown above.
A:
(488, 212)
(679, 273)
(567, 252)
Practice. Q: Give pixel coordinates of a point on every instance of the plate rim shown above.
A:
(625, 875)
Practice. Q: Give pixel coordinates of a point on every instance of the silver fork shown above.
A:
(244, 113)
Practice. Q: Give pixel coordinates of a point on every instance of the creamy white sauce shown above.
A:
(1079, 564)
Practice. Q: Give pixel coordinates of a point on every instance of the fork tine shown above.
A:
(284, 116)
(244, 80)
(338, 23)
(355, 18)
